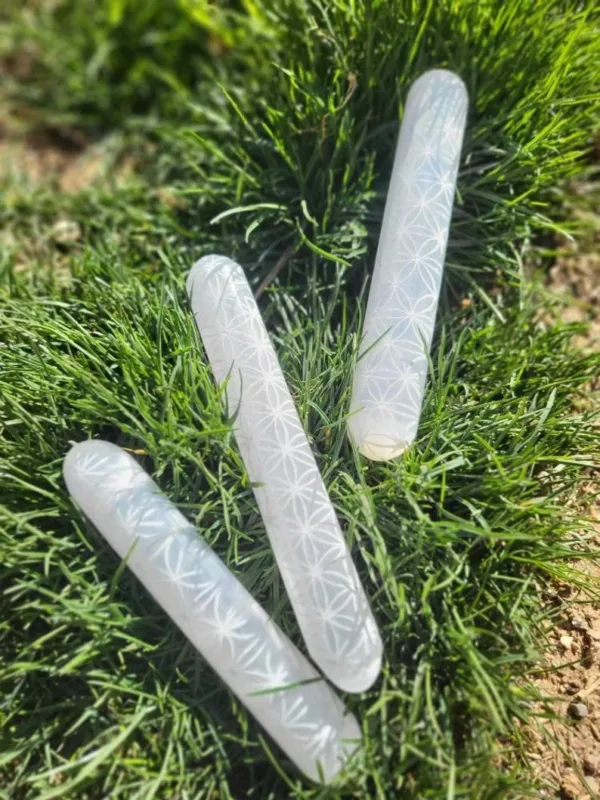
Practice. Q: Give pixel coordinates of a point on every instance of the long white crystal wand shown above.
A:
(233, 633)
(316, 566)
(390, 375)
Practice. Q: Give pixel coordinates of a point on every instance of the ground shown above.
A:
(267, 133)
(564, 748)
(565, 742)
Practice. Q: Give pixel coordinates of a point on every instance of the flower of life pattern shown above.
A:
(392, 369)
(316, 566)
(248, 651)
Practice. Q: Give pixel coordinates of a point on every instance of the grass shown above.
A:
(277, 123)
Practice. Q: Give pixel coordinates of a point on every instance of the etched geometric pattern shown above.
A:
(219, 617)
(316, 566)
(392, 369)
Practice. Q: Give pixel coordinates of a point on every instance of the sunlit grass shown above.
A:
(258, 133)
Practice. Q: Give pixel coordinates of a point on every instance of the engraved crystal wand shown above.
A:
(390, 375)
(233, 633)
(316, 566)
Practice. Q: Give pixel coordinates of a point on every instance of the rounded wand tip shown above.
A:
(362, 678)
(377, 447)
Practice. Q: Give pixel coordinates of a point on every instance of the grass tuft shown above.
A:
(263, 133)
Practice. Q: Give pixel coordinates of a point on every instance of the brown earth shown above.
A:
(61, 159)
(564, 746)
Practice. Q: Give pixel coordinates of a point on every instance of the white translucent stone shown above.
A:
(200, 594)
(390, 375)
(316, 566)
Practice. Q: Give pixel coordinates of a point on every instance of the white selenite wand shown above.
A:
(316, 566)
(227, 626)
(391, 372)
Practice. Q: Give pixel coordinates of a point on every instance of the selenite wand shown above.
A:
(309, 547)
(205, 600)
(391, 372)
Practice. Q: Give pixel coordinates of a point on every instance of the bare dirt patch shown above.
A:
(49, 157)
(564, 747)
(575, 275)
